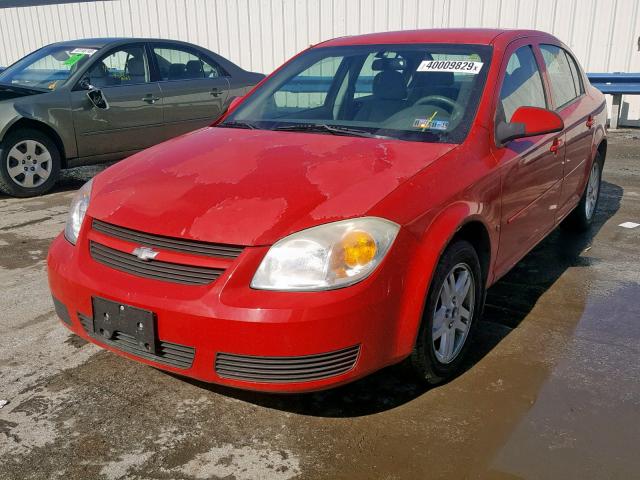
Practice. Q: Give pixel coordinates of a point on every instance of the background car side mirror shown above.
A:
(528, 122)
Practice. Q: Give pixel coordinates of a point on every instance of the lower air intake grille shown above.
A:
(286, 369)
(169, 272)
(172, 354)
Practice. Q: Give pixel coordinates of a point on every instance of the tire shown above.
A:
(427, 359)
(581, 218)
(29, 163)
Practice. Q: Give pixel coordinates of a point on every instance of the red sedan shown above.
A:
(347, 214)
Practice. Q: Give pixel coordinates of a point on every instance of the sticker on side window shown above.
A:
(83, 51)
(453, 66)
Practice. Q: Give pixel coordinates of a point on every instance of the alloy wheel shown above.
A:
(593, 189)
(453, 313)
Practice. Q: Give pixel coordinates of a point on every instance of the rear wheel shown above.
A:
(581, 217)
(29, 163)
(453, 305)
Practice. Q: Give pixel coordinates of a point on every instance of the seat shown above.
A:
(432, 83)
(99, 76)
(194, 69)
(177, 71)
(135, 71)
(388, 98)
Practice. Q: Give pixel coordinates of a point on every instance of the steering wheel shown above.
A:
(454, 109)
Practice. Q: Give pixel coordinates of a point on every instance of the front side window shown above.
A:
(125, 66)
(180, 64)
(48, 68)
(413, 92)
(522, 84)
(563, 81)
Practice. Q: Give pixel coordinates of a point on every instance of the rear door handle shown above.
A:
(590, 121)
(150, 99)
(216, 92)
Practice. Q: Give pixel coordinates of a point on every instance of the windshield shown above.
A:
(415, 92)
(46, 69)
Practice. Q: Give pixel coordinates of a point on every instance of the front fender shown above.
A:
(429, 248)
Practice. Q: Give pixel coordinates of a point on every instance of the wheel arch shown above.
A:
(461, 221)
(28, 123)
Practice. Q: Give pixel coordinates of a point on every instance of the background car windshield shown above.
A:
(417, 92)
(46, 69)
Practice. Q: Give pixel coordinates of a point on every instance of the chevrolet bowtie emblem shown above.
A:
(145, 253)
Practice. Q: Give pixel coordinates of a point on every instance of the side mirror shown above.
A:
(98, 99)
(528, 122)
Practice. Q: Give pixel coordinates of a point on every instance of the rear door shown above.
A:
(531, 167)
(194, 87)
(134, 118)
(570, 102)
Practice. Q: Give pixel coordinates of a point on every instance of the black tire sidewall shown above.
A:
(428, 366)
(7, 185)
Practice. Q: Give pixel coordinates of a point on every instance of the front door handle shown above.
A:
(150, 99)
(216, 92)
(555, 146)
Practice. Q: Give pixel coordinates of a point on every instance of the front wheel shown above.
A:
(29, 163)
(451, 312)
(581, 217)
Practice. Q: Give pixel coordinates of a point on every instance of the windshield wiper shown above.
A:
(324, 128)
(235, 124)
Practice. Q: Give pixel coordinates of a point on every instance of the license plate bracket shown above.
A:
(110, 317)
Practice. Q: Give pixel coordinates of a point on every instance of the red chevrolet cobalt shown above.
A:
(347, 214)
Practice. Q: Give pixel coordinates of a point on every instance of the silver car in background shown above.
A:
(97, 100)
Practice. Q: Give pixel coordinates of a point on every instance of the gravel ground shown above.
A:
(552, 389)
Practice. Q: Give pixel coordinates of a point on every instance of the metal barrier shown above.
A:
(616, 84)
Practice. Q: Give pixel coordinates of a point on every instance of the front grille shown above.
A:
(159, 270)
(167, 243)
(286, 369)
(173, 354)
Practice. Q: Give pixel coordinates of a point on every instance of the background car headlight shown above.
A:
(79, 206)
(326, 257)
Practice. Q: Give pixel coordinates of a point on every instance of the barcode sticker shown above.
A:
(454, 66)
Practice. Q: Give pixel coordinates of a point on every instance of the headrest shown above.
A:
(176, 70)
(194, 66)
(389, 85)
(381, 64)
(135, 66)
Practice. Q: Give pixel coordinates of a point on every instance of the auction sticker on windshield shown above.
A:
(83, 51)
(454, 66)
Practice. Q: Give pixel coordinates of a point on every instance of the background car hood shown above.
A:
(252, 187)
(8, 92)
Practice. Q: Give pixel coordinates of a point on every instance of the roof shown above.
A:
(102, 42)
(480, 36)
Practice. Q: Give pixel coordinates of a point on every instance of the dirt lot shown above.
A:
(553, 390)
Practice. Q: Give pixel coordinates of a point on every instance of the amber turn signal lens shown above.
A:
(359, 248)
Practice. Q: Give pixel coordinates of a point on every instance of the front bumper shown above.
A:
(230, 334)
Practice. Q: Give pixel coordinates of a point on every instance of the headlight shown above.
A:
(79, 206)
(326, 257)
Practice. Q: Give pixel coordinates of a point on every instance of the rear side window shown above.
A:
(563, 75)
(179, 64)
(522, 84)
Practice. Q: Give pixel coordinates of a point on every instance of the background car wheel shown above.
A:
(29, 163)
(581, 217)
(453, 306)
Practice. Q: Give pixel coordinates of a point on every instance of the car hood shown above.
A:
(8, 92)
(253, 187)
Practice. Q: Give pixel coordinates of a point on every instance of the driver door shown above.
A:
(133, 120)
(531, 167)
